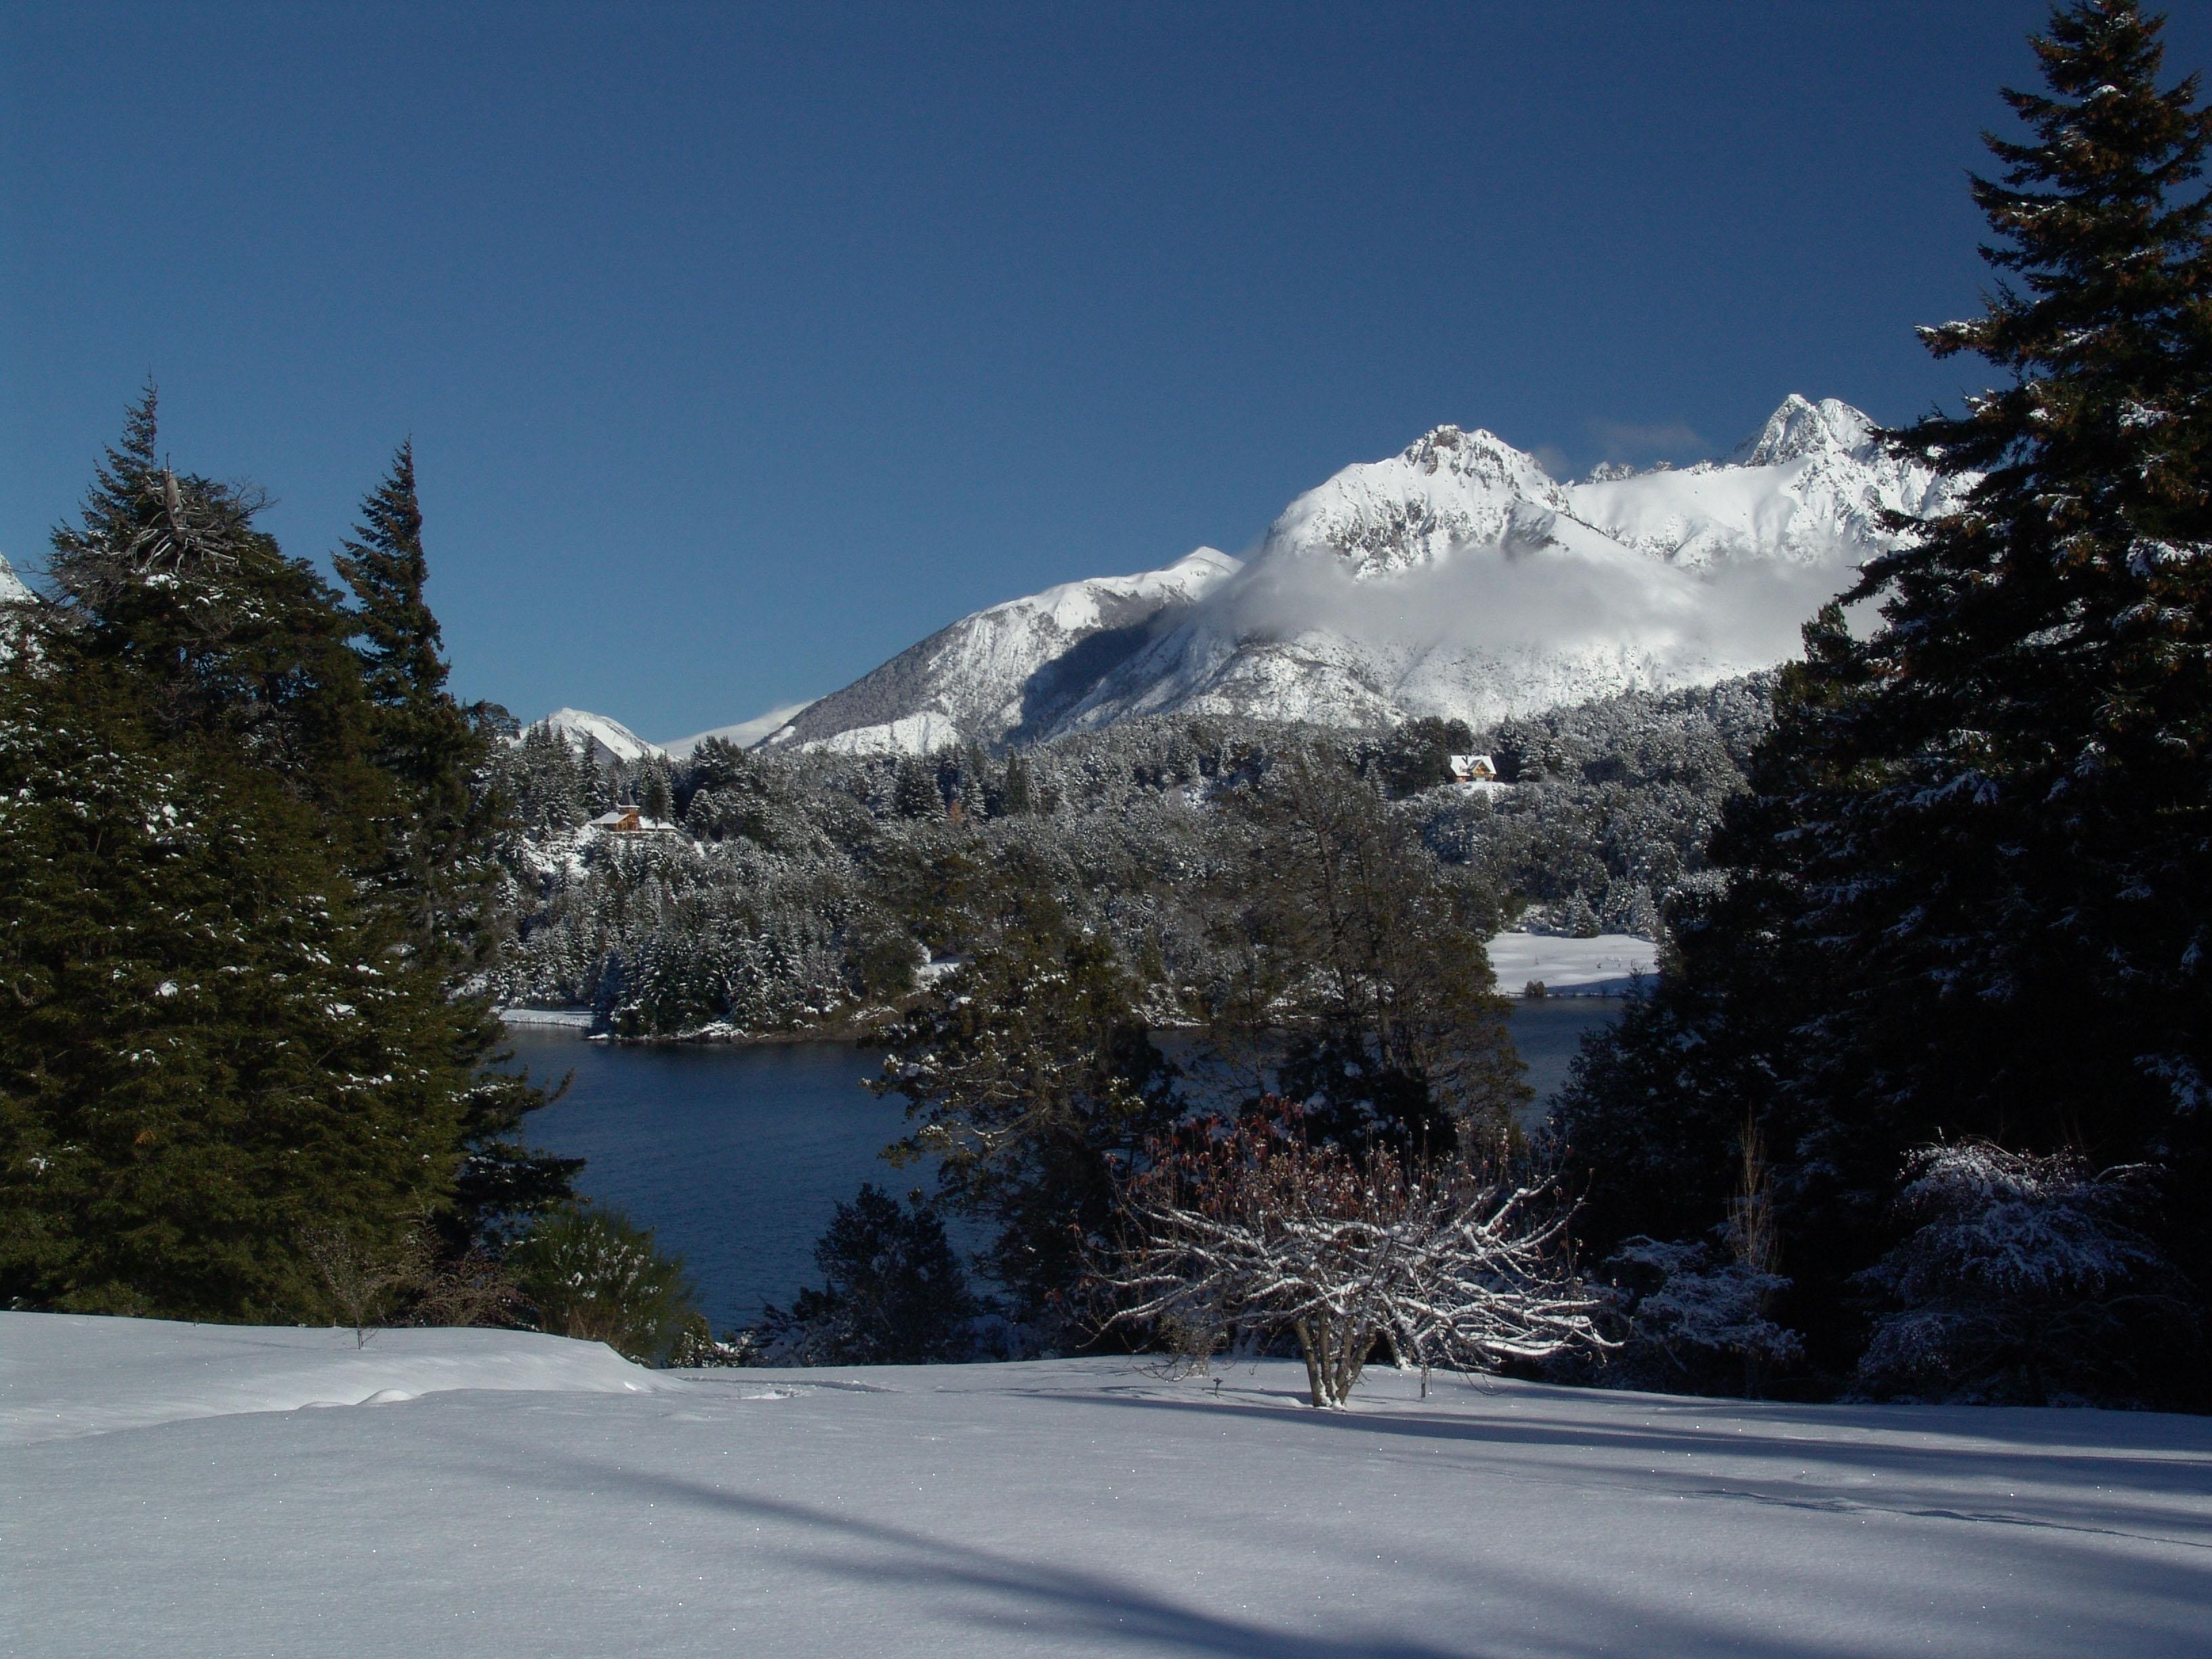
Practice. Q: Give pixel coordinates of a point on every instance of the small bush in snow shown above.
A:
(594, 1274)
(1259, 1234)
(1697, 1315)
(2024, 1279)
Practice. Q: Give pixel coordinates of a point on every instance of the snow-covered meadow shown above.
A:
(1608, 965)
(175, 1490)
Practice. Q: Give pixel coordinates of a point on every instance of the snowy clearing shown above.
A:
(1079, 1506)
(1609, 965)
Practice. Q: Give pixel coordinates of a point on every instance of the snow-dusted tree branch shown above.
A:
(1259, 1234)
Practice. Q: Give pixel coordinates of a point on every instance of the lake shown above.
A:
(736, 1156)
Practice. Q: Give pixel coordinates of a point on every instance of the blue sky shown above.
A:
(742, 347)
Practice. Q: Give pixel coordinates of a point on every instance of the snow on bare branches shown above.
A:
(1259, 1233)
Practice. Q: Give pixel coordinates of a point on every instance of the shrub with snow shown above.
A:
(1697, 1316)
(2024, 1279)
(1259, 1235)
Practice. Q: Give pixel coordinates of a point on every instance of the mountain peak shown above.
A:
(1800, 427)
(604, 741)
(1480, 455)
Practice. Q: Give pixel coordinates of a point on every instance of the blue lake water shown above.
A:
(736, 1157)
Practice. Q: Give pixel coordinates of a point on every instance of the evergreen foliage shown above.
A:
(595, 1274)
(893, 1291)
(225, 1036)
(2025, 1279)
(1969, 893)
(1033, 1084)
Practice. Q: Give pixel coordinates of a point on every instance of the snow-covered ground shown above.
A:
(1069, 1507)
(1609, 965)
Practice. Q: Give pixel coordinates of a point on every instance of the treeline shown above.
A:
(807, 888)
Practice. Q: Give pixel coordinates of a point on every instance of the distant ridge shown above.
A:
(1456, 577)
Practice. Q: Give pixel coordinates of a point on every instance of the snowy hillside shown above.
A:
(1459, 579)
(1606, 965)
(1009, 671)
(12, 591)
(744, 733)
(1067, 1507)
(1456, 578)
(605, 742)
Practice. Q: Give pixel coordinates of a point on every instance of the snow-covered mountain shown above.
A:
(745, 734)
(1457, 577)
(1011, 671)
(605, 742)
(12, 590)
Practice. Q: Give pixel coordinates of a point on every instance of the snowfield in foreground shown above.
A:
(167, 1492)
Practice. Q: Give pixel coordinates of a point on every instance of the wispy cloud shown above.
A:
(1629, 440)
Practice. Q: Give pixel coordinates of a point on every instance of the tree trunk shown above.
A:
(1335, 1352)
(1308, 1352)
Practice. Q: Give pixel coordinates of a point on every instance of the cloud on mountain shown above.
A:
(1507, 601)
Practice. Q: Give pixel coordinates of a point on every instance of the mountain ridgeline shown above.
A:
(1456, 580)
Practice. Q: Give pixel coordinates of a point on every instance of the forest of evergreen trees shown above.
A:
(806, 886)
(243, 861)
(1923, 1110)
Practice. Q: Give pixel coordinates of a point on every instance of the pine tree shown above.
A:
(221, 1044)
(437, 870)
(1970, 891)
(404, 664)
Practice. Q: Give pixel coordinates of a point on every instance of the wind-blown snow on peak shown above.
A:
(604, 741)
(1814, 488)
(1456, 577)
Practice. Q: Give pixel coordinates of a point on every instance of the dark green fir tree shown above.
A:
(223, 1050)
(1970, 894)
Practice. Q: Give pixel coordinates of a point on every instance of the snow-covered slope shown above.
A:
(605, 742)
(745, 734)
(1073, 1507)
(63, 1375)
(1607, 965)
(12, 592)
(1810, 488)
(1007, 671)
(1457, 577)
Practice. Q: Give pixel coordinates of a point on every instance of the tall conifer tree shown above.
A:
(222, 1037)
(1970, 892)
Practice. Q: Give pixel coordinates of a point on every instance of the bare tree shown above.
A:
(364, 1282)
(1260, 1233)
